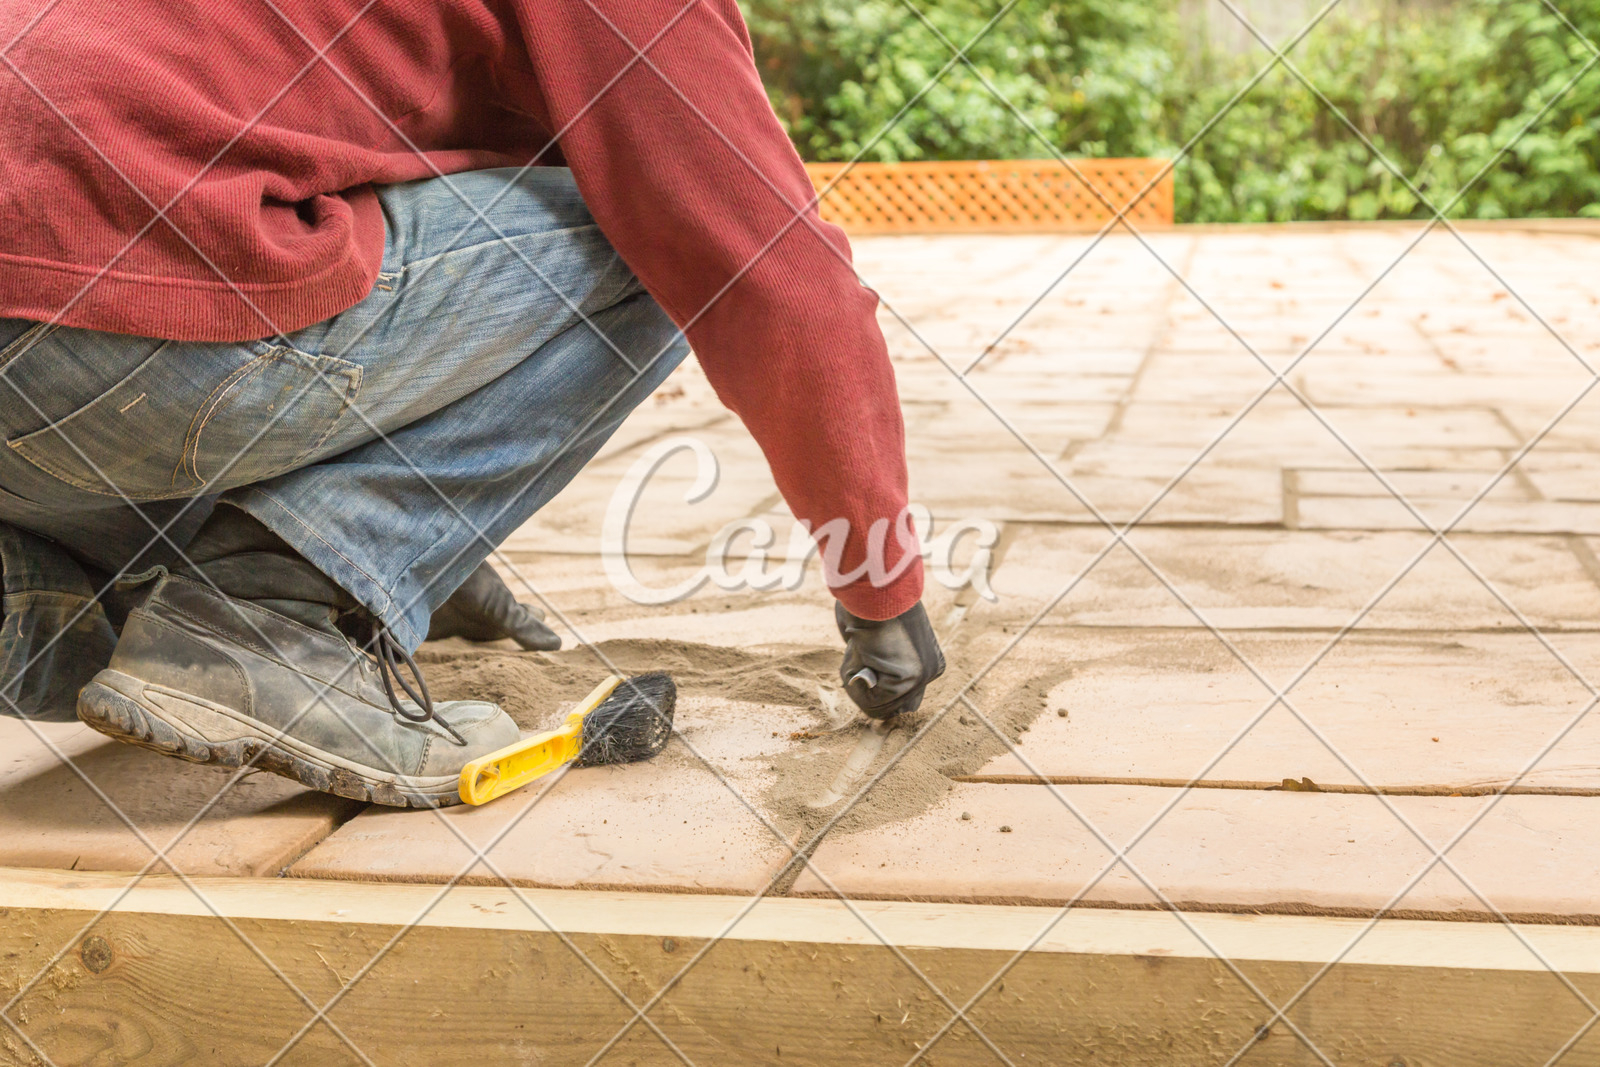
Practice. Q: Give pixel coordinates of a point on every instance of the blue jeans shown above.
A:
(393, 445)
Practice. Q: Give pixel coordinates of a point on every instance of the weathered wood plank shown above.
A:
(798, 981)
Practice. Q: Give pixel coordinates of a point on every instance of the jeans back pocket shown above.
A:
(194, 418)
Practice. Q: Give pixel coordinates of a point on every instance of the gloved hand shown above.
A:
(483, 609)
(901, 655)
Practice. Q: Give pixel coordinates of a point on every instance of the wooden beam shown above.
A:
(160, 980)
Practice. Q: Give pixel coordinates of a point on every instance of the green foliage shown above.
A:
(1438, 90)
(1439, 94)
(1085, 73)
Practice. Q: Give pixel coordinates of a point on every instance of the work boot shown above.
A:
(483, 609)
(268, 672)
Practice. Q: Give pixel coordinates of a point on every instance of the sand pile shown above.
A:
(536, 689)
(946, 746)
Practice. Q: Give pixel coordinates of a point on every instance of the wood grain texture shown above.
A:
(797, 982)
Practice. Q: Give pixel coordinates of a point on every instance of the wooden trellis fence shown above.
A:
(991, 196)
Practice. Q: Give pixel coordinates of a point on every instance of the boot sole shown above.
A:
(120, 706)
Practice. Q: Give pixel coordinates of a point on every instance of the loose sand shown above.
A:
(537, 688)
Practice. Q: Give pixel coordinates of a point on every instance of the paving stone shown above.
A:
(1201, 378)
(673, 596)
(1395, 353)
(1488, 516)
(1408, 458)
(1282, 329)
(1563, 475)
(669, 824)
(987, 474)
(1266, 579)
(1489, 352)
(947, 334)
(1004, 386)
(1277, 429)
(1279, 426)
(1233, 483)
(1049, 355)
(1577, 431)
(1100, 300)
(1431, 712)
(1358, 368)
(1051, 428)
(1217, 848)
(578, 592)
(1119, 377)
(50, 818)
(1210, 493)
(1435, 486)
(787, 623)
(1526, 389)
(1142, 460)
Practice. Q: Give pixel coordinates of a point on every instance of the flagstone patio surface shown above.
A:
(1301, 530)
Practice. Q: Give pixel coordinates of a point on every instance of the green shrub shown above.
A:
(1087, 74)
(1438, 90)
(1438, 94)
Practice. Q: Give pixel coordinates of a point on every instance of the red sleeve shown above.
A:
(690, 200)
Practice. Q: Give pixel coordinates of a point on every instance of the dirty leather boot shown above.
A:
(266, 671)
(483, 609)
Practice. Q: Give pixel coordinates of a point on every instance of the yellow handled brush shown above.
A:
(623, 720)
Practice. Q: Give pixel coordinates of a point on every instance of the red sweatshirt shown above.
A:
(287, 212)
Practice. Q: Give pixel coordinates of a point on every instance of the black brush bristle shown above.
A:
(633, 723)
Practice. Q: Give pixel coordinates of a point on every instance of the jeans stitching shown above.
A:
(191, 439)
(218, 401)
(19, 445)
(186, 476)
(50, 594)
(353, 378)
(31, 336)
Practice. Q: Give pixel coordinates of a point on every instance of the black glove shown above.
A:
(888, 664)
(483, 609)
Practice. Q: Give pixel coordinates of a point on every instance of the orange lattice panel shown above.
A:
(992, 195)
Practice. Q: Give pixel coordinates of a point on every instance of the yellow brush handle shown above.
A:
(516, 765)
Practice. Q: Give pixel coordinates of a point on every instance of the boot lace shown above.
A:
(391, 656)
